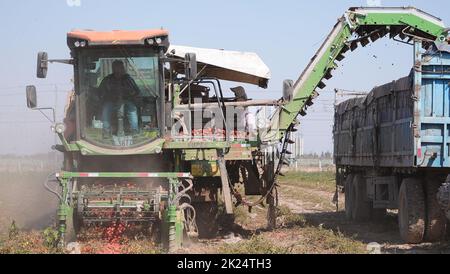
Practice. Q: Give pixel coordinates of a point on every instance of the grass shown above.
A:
(256, 245)
(242, 216)
(317, 240)
(295, 236)
(324, 181)
(287, 219)
(312, 240)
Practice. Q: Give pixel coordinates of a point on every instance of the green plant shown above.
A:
(327, 241)
(50, 237)
(256, 245)
(286, 218)
(13, 230)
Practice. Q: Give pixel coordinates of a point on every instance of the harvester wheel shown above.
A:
(361, 207)
(207, 219)
(436, 223)
(72, 228)
(411, 214)
(348, 196)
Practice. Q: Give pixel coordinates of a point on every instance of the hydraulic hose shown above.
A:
(47, 187)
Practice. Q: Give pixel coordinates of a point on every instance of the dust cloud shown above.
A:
(23, 198)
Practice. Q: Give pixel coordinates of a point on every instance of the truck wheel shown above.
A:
(361, 207)
(207, 219)
(348, 188)
(411, 213)
(436, 223)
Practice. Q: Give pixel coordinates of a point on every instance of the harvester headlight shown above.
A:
(159, 40)
(77, 44)
(150, 41)
(60, 128)
(83, 44)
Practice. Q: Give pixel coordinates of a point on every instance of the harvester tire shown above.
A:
(71, 229)
(411, 213)
(348, 197)
(361, 207)
(207, 219)
(436, 223)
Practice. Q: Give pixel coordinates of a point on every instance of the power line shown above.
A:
(41, 85)
(22, 122)
(42, 91)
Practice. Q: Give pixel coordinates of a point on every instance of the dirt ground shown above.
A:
(306, 198)
(308, 223)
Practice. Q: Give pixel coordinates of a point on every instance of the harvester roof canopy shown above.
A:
(116, 37)
(242, 67)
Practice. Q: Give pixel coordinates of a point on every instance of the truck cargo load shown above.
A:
(392, 148)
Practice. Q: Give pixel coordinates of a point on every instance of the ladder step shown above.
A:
(353, 45)
(340, 57)
(329, 74)
(364, 42)
(322, 85)
(345, 49)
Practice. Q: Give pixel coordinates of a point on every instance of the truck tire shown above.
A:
(348, 188)
(436, 222)
(362, 208)
(411, 213)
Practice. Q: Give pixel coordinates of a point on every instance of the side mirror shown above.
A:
(31, 97)
(191, 66)
(42, 65)
(288, 90)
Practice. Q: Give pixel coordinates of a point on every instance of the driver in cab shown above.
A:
(118, 92)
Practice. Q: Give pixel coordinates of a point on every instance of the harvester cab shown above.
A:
(119, 86)
(127, 160)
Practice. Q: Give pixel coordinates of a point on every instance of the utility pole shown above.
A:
(55, 164)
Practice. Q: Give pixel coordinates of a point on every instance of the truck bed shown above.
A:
(402, 124)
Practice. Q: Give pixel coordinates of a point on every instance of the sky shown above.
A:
(285, 34)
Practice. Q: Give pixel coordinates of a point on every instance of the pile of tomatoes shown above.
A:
(114, 233)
